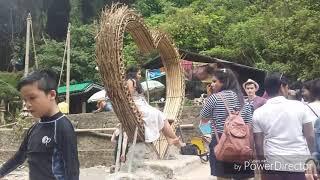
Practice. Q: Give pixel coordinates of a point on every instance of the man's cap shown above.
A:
(250, 81)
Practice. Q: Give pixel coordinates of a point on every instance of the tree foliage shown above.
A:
(272, 35)
(7, 91)
(82, 56)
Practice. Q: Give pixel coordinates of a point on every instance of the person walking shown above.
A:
(283, 133)
(251, 87)
(225, 84)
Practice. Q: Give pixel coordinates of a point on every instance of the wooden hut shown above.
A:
(79, 94)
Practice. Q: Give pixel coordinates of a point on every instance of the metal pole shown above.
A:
(26, 59)
(68, 68)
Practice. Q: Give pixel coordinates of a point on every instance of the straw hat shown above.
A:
(250, 81)
(208, 80)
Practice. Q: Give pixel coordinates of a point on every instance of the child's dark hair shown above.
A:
(131, 74)
(273, 82)
(230, 82)
(46, 79)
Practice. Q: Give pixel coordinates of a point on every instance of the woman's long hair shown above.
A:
(308, 86)
(230, 82)
(131, 74)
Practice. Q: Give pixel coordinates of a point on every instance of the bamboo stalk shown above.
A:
(68, 68)
(63, 59)
(95, 129)
(76, 130)
(132, 148)
(34, 47)
(88, 130)
(101, 134)
(6, 125)
(119, 150)
(26, 62)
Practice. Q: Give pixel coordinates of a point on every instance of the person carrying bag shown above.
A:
(236, 141)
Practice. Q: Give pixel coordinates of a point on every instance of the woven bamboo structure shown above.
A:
(115, 21)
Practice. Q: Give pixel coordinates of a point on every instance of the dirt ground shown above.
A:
(101, 173)
(93, 173)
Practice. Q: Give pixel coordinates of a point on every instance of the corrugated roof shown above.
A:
(195, 57)
(74, 88)
(242, 71)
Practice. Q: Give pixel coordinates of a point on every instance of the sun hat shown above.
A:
(250, 81)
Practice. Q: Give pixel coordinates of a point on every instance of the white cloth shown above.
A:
(281, 121)
(153, 118)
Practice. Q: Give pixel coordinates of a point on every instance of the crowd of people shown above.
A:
(282, 131)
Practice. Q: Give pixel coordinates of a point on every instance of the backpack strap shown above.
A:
(225, 102)
(214, 123)
(313, 111)
(215, 131)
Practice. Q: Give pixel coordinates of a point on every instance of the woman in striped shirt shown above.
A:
(225, 83)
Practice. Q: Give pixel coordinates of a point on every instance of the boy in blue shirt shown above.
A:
(50, 145)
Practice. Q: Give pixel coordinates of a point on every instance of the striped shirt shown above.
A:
(215, 110)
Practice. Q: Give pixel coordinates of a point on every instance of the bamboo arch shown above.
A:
(109, 45)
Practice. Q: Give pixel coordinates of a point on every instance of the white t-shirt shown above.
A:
(315, 106)
(281, 121)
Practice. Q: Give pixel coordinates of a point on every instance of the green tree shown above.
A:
(190, 29)
(272, 35)
(82, 54)
(7, 91)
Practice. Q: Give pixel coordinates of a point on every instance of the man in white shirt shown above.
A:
(283, 133)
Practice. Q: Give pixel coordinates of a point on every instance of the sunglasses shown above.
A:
(224, 70)
(283, 80)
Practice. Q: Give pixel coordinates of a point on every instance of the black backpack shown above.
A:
(192, 149)
(189, 149)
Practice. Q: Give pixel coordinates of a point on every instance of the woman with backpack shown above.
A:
(226, 99)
